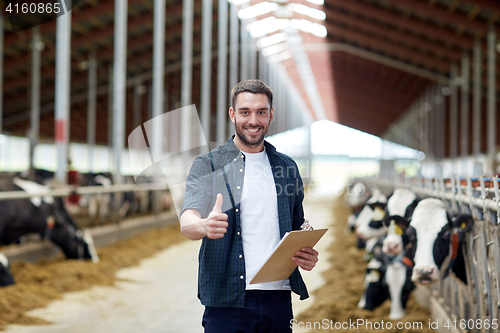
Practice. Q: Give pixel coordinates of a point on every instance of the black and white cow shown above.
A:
(438, 242)
(369, 222)
(5, 274)
(46, 216)
(388, 276)
(357, 196)
(394, 271)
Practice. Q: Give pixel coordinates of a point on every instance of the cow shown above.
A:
(357, 196)
(436, 233)
(388, 276)
(5, 274)
(394, 270)
(44, 215)
(369, 222)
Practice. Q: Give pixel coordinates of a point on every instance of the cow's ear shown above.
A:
(403, 223)
(464, 223)
(411, 208)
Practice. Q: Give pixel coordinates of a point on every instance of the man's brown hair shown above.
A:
(253, 86)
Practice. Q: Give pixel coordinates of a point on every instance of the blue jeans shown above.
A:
(266, 311)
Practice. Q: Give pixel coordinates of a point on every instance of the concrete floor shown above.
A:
(160, 294)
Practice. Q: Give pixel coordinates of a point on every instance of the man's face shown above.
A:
(251, 117)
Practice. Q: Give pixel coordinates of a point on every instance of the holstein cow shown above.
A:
(398, 249)
(369, 223)
(45, 216)
(438, 242)
(5, 275)
(394, 273)
(357, 196)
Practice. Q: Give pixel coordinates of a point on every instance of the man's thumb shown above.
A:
(218, 204)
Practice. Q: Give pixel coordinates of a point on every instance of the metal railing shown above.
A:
(475, 306)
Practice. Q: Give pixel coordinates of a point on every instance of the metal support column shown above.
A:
(492, 100)
(206, 67)
(62, 91)
(187, 58)
(233, 42)
(110, 113)
(158, 101)
(234, 33)
(464, 112)
(1, 70)
(253, 56)
(477, 99)
(244, 51)
(222, 72)
(119, 88)
(91, 108)
(34, 132)
(139, 90)
(454, 116)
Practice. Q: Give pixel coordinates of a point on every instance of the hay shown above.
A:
(40, 283)
(337, 299)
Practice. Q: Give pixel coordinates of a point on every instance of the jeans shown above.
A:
(266, 311)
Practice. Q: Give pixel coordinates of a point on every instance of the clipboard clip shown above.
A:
(306, 226)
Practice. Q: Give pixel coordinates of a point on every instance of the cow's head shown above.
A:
(5, 275)
(439, 239)
(62, 230)
(369, 224)
(400, 237)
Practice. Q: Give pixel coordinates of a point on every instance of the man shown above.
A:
(241, 198)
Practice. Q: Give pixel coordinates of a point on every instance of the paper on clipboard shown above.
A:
(279, 266)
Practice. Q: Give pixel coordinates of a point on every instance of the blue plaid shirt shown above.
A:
(221, 274)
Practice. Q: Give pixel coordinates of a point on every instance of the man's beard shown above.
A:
(240, 132)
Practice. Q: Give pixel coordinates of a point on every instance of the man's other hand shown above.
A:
(306, 258)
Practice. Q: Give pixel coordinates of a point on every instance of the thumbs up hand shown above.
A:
(216, 222)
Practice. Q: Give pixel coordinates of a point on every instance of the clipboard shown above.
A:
(279, 266)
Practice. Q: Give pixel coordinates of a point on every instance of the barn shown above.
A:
(105, 105)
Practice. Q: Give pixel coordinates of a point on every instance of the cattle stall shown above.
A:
(475, 306)
(113, 227)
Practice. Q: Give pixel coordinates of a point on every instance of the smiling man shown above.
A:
(241, 198)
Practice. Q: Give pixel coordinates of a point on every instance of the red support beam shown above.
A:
(334, 18)
(387, 47)
(401, 21)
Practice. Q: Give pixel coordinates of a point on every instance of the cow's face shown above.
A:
(399, 235)
(63, 231)
(5, 275)
(434, 231)
(373, 227)
(75, 243)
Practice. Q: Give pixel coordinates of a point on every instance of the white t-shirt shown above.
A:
(259, 219)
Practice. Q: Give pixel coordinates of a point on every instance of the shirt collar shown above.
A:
(232, 149)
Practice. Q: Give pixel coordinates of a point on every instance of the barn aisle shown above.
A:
(159, 295)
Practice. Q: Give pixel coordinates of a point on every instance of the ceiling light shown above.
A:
(311, 12)
(267, 26)
(256, 10)
(273, 39)
(238, 2)
(317, 2)
(270, 50)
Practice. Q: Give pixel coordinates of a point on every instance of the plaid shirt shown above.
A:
(221, 275)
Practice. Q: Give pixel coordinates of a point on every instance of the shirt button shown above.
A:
(238, 233)
(241, 170)
(240, 256)
(241, 277)
(242, 155)
(238, 187)
(237, 210)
